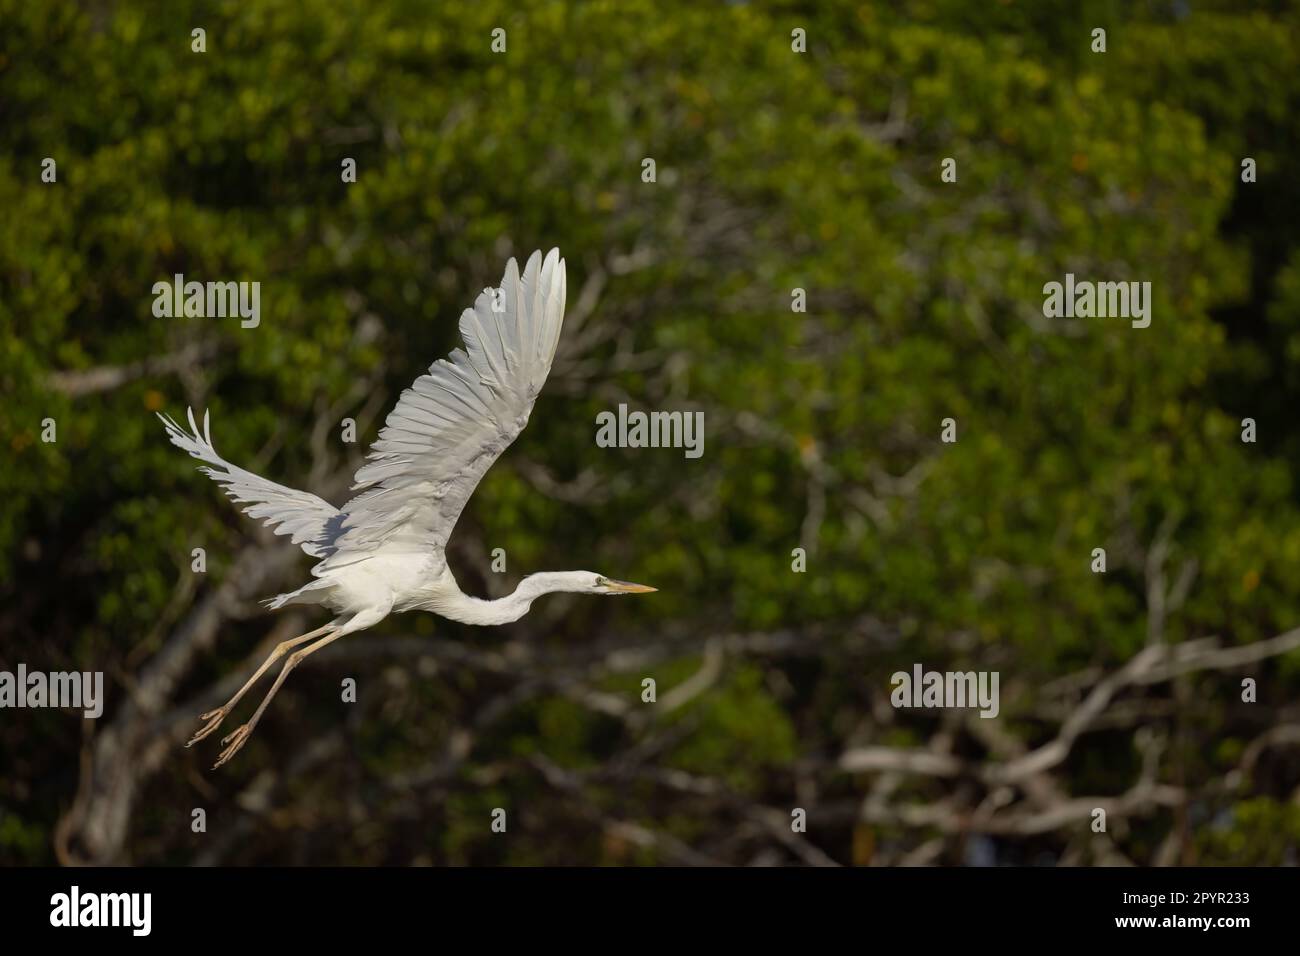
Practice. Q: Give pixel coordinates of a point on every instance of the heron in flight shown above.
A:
(384, 551)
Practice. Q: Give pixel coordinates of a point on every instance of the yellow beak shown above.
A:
(627, 587)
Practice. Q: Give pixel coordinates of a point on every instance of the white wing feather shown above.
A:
(451, 425)
(311, 521)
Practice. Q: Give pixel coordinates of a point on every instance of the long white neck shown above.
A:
(458, 606)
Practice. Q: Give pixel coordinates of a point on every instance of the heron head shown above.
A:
(603, 585)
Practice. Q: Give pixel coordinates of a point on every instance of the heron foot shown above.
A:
(214, 719)
(239, 738)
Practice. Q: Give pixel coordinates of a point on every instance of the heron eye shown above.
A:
(601, 582)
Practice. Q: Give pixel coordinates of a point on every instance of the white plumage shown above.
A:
(286, 510)
(383, 551)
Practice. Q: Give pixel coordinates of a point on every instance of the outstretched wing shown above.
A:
(454, 422)
(308, 519)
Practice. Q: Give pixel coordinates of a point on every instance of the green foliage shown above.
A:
(775, 171)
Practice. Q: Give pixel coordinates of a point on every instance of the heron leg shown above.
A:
(215, 717)
(237, 739)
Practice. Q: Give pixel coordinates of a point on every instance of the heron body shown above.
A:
(383, 551)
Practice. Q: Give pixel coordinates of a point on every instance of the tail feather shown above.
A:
(314, 592)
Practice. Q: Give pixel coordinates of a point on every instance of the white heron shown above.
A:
(384, 550)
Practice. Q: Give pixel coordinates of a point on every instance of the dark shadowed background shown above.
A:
(775, 170)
